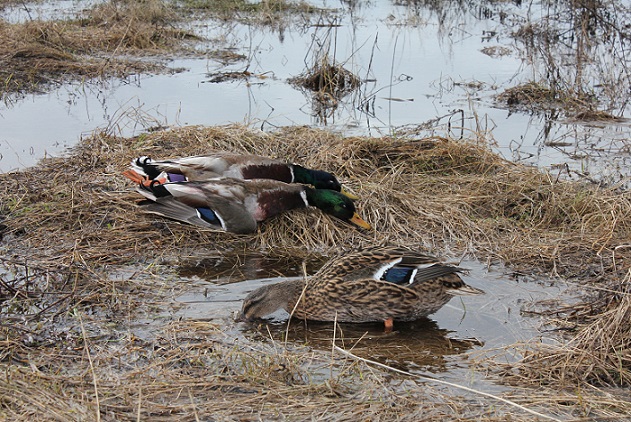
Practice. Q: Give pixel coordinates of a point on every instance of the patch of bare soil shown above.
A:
(82, 268)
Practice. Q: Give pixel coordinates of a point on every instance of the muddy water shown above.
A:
(420, 65)
(438, 344)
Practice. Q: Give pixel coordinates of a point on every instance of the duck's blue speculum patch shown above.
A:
(399, 275)
(209, 216)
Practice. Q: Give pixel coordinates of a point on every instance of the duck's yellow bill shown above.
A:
(349, 195)
(358, 221)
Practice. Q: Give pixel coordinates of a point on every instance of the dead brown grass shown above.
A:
(327, 78)
(196, 371)
(81, 265)
(326, 83)
(102, 42)
(534, 96)
(599, 354)
(37, 53)
(273, 13)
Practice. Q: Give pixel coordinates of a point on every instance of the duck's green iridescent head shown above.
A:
(319, 179)
(335, 204)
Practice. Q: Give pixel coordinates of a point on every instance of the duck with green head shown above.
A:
(222, 164)
(383, 283)
(238, 205)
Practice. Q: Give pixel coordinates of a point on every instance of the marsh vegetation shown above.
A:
(93, 323)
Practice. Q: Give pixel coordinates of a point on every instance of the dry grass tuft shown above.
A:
(598, 354)
(535, 97)
(328, 83)
(329, 79)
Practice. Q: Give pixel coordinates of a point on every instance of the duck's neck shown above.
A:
(292, 291)
(284, 295)
(304, 175)
(309, 194)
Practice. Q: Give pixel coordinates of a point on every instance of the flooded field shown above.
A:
(425, 68)
(490, 133)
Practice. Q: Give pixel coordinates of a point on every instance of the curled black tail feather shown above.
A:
(145, 163)
(158, 189)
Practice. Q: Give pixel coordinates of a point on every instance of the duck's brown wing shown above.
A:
(373, 262)
(211, 205)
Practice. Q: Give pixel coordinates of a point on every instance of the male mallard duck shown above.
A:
(227, 164)
(375, 284)
(237, 205)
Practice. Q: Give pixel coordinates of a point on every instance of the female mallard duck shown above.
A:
(238, 205)
(227, 164)
(376, 284)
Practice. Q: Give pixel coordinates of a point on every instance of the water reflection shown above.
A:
(24, 11)
(415, 346)
(238, 267)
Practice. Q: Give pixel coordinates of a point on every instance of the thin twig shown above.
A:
(450, 384)
(139, 404)
(302, 294)
(87, 350)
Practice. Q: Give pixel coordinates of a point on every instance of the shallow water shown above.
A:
(419, 66)
(44, 10)
(437, 344)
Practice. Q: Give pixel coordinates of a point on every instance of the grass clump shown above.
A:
(597, 354)
(266, 10)
(325, 81)
(533, 96)
(329, 79)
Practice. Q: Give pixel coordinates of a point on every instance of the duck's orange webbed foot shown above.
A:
(389, 324)
(134, 176)
(142, 180)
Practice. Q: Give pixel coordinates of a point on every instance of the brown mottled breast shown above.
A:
(358, 301)
(276, 201)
